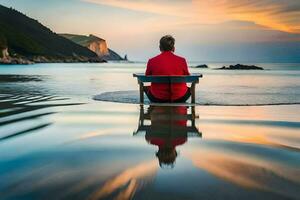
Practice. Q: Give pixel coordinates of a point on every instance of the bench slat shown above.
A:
(193, 78)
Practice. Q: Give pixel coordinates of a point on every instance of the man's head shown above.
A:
(167, 43)
(166, 156)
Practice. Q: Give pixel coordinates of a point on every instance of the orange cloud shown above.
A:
(274, 14)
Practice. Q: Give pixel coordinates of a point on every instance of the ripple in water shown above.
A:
(20, 104)
(210, 98)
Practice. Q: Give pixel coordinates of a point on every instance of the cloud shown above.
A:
(172, 8)
(274, 14)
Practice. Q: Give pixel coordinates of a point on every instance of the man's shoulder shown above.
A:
(164, 56)
(179, 57)
(154, 58)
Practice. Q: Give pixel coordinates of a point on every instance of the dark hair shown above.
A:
(166, 157)
(166, 43)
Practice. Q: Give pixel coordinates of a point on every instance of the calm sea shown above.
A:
(277, 84)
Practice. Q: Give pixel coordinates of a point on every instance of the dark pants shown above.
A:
(152, 98)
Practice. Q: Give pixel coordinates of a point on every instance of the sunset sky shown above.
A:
(205, 30)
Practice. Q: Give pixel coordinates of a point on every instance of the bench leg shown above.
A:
(141, 92)
(193, 116)
(193, 93)
(142, 118)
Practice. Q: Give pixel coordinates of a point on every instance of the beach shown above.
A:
(240, 141)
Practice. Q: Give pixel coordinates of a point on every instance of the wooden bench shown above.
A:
(193, 79)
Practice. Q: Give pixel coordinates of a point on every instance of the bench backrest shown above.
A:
(193, 78)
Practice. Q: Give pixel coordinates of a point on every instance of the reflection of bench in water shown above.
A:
(166, 121)
(193, 79)
(167, 127)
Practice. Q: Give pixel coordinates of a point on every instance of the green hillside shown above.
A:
(27, 37)
(81, 39)
(2, 41)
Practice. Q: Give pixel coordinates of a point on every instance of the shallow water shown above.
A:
(278, 84)
(56, 142)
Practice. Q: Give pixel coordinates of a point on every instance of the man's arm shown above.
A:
(148, 69)
(185, 68)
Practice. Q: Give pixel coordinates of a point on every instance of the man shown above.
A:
(168, 64)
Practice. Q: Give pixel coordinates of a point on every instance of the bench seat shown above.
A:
(193, 79)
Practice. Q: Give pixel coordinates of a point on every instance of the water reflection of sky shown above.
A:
(95, 157)
(90, 151)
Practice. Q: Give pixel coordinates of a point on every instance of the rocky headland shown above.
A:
(97, 45)
(24, 40)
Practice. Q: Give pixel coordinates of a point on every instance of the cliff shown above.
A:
(25, 38)
(4, 53)
(95, 44)
(3, 46)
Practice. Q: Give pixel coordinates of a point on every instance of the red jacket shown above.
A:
(169, 64)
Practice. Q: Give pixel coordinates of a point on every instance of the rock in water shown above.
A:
(241, 67)
(201, 66)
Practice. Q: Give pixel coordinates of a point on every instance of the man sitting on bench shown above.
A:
(167, 64)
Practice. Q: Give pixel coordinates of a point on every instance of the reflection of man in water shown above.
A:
(168, 129)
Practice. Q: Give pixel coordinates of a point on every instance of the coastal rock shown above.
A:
(98, 45)
(43, 59)
(4, 53)
(113, 56)
(201, 66)
(241, 67)
(15, 61)
(97, 60)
